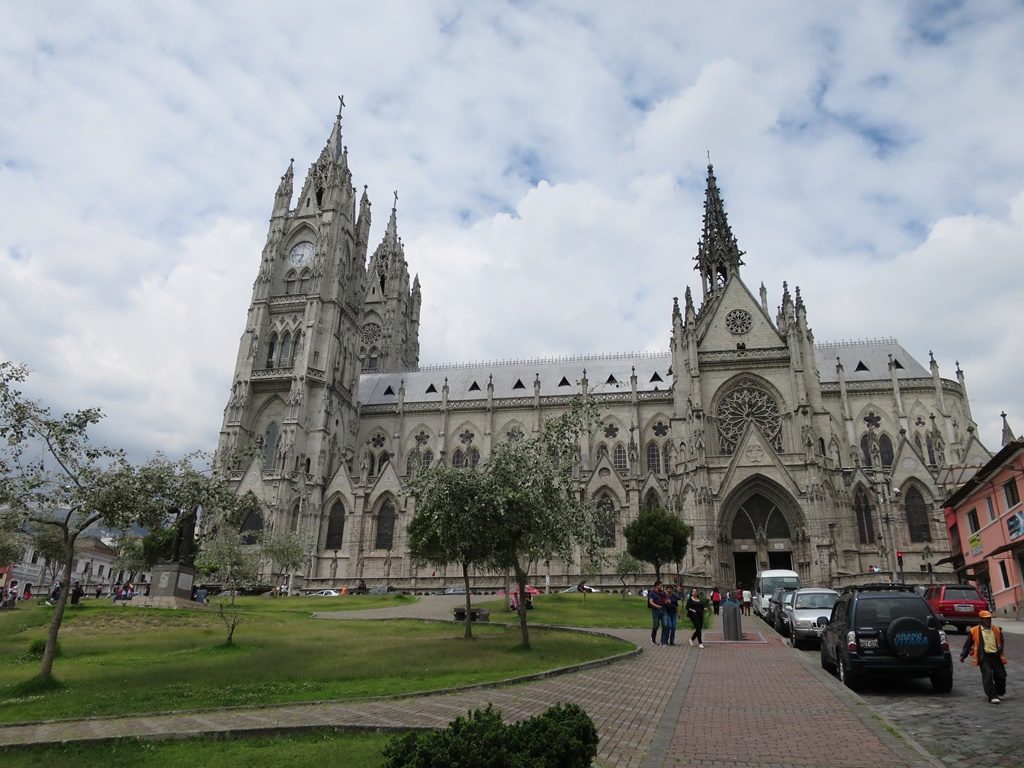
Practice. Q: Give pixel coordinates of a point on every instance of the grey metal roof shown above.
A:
(606, 373)
(558, 376)
(871, 356)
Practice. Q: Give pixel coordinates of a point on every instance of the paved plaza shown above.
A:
(758, 704)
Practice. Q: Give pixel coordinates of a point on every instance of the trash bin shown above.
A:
(731, 621)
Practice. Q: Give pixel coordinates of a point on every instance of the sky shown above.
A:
(550, 160)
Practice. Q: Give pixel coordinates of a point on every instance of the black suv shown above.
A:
(886, 630)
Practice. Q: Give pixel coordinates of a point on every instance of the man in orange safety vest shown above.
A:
(985, 647)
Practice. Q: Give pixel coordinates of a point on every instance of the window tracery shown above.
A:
(619, 460)
(653, 458)
(748, 403)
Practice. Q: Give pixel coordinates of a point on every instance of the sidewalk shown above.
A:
(732, 705)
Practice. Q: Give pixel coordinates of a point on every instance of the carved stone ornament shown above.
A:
(745, 404)
(738, 321)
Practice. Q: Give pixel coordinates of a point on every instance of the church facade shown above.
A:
(779, 451)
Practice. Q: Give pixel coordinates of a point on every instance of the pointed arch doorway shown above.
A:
(759, 527)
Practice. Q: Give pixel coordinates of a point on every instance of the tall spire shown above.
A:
(335, 149)
(1007, 432)
(718, 254)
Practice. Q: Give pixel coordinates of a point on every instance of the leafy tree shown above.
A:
(450, 522)
(224, 557)
(625, 566)
(131, 556)
(657, 537)
(534, 511)
(52, 476)
(12, 541)
(285, 549)
(49, 544)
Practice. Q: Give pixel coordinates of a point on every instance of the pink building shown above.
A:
(985, 518)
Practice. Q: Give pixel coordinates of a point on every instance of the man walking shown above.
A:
(984, 645)
(670, 605)
(654, 602)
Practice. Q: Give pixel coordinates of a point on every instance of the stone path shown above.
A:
(733, 705)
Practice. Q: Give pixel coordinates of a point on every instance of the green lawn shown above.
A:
(118, 660)
(576, 609)
(312, 750)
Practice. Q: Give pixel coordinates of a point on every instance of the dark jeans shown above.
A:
(698, 628)
(656, 621)
(717, 606)
(993, 675)
(668, 629)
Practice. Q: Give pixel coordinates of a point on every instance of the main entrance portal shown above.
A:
(759, 531)
(746, 569)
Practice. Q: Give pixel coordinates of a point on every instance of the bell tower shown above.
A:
(293, 404)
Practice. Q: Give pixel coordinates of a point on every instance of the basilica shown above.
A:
(779, 451)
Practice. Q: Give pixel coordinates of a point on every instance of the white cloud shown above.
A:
(550, 162)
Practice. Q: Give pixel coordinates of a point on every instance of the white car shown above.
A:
(808, 612)
(326, 593)
(586, 588)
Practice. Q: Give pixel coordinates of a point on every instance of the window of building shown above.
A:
(304, 281)
(269, 445)
(293, 519)
(931, 449)
(619, 460)
(99, 573)
(865, 450)
(335, 526)
(885, 450)
(917, 516)
(35, 557)
(991, 509)
(651, 500)
(290, 283)
(74, 566)
(605, 520)
(972, 521)
(1005, 574)
(1012, 496)
(271, 350)
(865, 523)
(412, 463)
(385, 526)
(602, 451)
(428, 458)
(653, 458)
(458, 458)
(286, 351)
(473, 457)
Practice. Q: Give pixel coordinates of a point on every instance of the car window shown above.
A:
(815, 600)
(962, 593)
(787, 598)
(880, 612)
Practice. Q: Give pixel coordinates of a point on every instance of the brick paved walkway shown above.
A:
(727, 705)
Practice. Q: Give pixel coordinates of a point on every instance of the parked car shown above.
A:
(775, 604)
(781, 619)
(585, 588)
(808, 613)
(326, 593)
(529, 590)
(956, 604)
(454, 591)
(885, 630)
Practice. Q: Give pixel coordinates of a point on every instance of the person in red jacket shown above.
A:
(984, 645)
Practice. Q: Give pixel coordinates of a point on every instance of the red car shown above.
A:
(956, 604)
(531, 591)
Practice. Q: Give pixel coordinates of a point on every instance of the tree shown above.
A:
(450, 522)
(534, 511)
(53, 477)
(48, 544)
(657, 537)
(625, 566)
(12, 541)
(285, 549)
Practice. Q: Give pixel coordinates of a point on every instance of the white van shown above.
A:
(767, 582)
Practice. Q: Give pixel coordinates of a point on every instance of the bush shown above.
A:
(562, 737)
(36, 649)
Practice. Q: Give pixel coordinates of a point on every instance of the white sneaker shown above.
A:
(702, 645)
(994, 700)
(691, 641)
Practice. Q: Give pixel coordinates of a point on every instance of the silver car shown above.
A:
(808, 612)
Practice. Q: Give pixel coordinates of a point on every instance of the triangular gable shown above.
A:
(713, 333)
(604, 474)
(340, 484)
(651, 483)
(386, 482)
(975, 453)
(908, 462)
(252, 480)
(754, 456)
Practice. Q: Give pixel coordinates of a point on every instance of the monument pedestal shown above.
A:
(172, 580)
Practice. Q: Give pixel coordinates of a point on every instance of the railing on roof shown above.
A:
(880, 342)
(543, 360)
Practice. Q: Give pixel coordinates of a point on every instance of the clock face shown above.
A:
(301, 254)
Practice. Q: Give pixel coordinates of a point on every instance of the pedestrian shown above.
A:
(657, 610)
(99, 591)
(716, 600)
(670, 605)
(748, 599)
(984, 645)
(695, 612)
(77, 593)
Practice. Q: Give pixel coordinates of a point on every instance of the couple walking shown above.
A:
(664, 605)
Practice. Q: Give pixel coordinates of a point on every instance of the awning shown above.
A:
(1012, 546)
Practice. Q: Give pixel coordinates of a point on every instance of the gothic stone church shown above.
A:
(777, 450)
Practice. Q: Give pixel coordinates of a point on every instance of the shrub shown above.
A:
(37, 647)
(562, 737)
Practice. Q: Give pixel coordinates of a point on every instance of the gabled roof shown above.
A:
(866, 360)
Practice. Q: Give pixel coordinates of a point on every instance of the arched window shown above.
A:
(666, 455)
(619, 460)
(269, 445)
(412, 463)
(885, 450)
(385, 526)
(473, 457)
(605, 522)
(917, 442)
(372, 360)
(651, 501)
(272, 350)
(865, 523)
(458, 458)
(382, 458)
(865, 450)
(370, 465)
(304, 281)
(289, 283)
(286, 351)
(653, 458)
(335, 526)
(602, 451)
(251, 527)
(296, 345)
(931, 450)
(917, 516)
(428, 458)
(293, 519)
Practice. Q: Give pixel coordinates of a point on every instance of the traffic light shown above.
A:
(899, 558)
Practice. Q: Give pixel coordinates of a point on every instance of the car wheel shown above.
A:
(942, 682)
(846, 677)
(908, 637)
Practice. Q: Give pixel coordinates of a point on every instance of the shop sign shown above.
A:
(974, 543)
(1015, 525)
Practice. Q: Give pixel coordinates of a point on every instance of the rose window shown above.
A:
(749, 404)
(466, 437)
(610, 430)
(738, 321)
(371, 333)
(660, 429)
(422, 438)
(377, 440)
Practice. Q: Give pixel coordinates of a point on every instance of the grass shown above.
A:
(352, 750)
(575, 609)
(119, 660)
